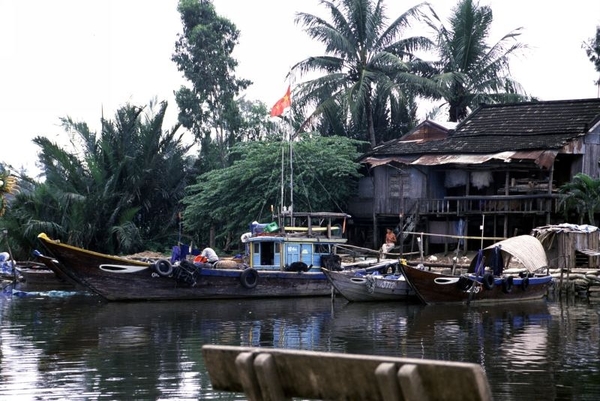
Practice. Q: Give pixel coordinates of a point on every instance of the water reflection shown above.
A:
(80, 346)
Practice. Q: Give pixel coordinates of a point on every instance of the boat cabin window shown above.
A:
(267, 252)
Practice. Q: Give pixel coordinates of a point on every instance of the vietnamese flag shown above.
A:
(281, 104)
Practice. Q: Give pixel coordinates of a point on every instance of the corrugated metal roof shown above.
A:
(434, 160)
(380, 161)
(542, 158)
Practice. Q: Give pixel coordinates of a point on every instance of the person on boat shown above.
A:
(390, 241)
(210, 255)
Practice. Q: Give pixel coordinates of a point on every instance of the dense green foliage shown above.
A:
(118, 191)
(470, 71)
(209, 108)
(581, 196)
(370, 69)
(324, 176)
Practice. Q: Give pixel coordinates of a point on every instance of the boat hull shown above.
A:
(33, 276)
(436, 288)
(365, 288)
(121, 279)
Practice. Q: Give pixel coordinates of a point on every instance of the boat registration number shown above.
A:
(386, 285)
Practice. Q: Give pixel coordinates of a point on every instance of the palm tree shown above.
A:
(118, 192)
(366, 62)
(582, 194)
(469, 71)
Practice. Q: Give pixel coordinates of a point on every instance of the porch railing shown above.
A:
(495, 204)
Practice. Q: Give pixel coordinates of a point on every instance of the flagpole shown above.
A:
(282, 179)
(291, 176)
(277, 111)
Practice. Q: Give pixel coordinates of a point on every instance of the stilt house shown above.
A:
(496, 174)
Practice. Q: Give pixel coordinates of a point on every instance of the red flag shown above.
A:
(285, 101)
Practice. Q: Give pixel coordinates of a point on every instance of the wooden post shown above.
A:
(465, 247)
(375, 227)
(549, 200)
(506, 192)
(445, 240)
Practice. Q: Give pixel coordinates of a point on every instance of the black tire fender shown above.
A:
(488, 281)
(525, 283)
(163, 267)
(249, 278)
(507, 285)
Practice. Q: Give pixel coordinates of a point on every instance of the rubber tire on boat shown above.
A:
(249, 278)
(163, 267)
(464, 283)
(488, 281)
(525, 283)
(507, 285)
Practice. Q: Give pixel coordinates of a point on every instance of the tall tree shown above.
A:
(470, 71)
(592, 49)
(203, 54)
(366, 63)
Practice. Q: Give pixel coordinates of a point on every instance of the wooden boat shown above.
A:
(380, 282)
(495, 283)
(121, 279)
(32, 275)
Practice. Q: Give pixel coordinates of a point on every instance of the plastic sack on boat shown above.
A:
(497, 263)
(181, 252)
(6, 265)
(257, 228)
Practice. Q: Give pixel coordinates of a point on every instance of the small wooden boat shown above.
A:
(380, 282)
(495, 283)
(121, 279)
(34, 274)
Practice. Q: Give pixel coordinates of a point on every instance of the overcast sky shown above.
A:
(79, 58)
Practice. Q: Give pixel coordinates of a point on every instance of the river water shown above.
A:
(65, 345)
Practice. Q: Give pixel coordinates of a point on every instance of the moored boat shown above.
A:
(380, 282)
(496, 283)
(32, 275)
(121, 279)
